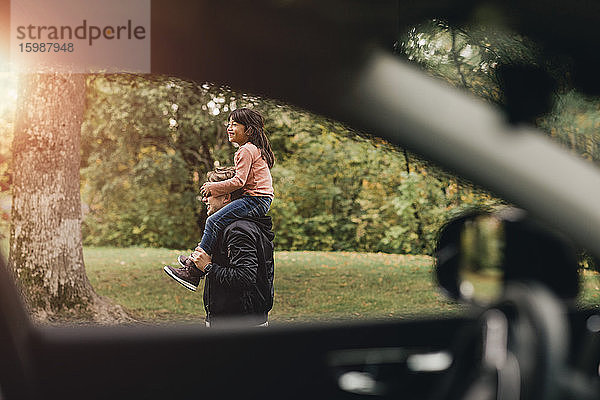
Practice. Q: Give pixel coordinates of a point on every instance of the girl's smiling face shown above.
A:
(236, 132)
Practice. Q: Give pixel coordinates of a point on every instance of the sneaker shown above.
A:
(187, 276)
(185, 261)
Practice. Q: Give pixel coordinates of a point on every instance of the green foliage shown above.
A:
(574, 123)
(316, 190)
(420, 206)
(148, 141)
(145, 211)
(469, 56)
(339, 192)
(146, 144)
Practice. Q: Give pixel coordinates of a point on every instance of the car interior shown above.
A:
(522, 336)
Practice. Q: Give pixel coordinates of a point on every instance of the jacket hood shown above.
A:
(265, 224)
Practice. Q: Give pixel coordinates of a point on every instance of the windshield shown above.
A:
(355, 218)
(533, 85)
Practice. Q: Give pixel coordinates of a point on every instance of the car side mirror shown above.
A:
(478, 253)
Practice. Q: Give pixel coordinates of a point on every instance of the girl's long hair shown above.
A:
(255, 127)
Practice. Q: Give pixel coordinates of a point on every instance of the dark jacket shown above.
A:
(240, 283)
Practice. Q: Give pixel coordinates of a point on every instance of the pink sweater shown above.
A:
(251, 173)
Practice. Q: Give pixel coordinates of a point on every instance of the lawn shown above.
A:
(308, 285)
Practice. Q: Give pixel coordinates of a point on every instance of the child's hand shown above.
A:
(204, 190)
(200, 258)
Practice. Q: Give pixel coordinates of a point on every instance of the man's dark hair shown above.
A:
(223, 173)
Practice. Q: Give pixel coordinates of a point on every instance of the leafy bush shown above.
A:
(147, 145)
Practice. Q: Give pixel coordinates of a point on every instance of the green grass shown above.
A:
(133, 277)
(590, 285)
(308, 285)
(325, 285)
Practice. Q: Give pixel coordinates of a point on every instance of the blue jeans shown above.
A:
(246, 206)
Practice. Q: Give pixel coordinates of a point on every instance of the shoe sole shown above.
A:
(187, 285)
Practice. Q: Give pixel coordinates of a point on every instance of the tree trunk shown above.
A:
(46, 252)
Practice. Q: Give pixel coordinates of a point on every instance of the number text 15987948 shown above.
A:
(46, 47)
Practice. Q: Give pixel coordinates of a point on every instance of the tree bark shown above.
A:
(46, 253)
